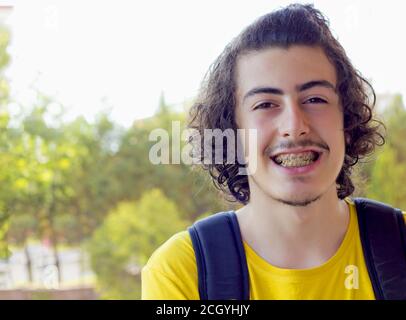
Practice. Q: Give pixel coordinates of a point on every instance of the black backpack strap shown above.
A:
(383, 236)
(220, 257)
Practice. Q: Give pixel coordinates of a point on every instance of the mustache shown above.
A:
(286, 145)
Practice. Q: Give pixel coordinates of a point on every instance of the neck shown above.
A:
(294, 236)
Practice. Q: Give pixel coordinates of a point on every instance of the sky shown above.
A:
(121, 55)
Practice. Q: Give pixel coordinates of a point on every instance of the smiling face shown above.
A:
(289, 96)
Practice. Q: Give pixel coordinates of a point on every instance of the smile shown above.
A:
(297, 163)
(296, 159)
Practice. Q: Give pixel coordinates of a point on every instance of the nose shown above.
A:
(294, 123)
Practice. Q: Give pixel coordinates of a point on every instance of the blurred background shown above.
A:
(82, 85)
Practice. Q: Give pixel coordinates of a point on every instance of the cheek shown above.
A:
(329, 123)
(263, 125)
(265, 129)
(331, 131)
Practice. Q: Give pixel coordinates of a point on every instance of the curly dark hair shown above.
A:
(296, 24)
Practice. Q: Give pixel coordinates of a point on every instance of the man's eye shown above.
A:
(264, 105)
(315, 100)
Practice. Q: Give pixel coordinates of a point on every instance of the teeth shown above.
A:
(295, 159)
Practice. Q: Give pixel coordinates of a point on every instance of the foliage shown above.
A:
(128, 236)
(6, 159)
(389, 169)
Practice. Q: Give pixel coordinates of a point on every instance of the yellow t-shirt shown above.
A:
(171, 272)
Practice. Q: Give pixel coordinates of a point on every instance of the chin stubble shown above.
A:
(298, 203)
(292, 203)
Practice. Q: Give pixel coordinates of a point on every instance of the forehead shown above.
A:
(283, 68)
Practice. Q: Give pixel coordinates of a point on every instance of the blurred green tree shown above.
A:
(128, 236)
(385, 184)
(389, 167)
(64, 186)
(190, 188)
(7, 177)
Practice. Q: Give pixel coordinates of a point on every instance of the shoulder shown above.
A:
(176, 251)
(171, 271)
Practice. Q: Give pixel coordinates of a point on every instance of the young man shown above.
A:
(287, 77)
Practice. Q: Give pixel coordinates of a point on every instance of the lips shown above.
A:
(296, 159)
(296, 165)
(293, 171)
(296, 155)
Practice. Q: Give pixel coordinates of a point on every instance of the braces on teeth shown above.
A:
(296, 160)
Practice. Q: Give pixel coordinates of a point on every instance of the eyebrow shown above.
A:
(301, 87)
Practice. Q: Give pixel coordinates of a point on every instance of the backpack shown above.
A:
(222, 266)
